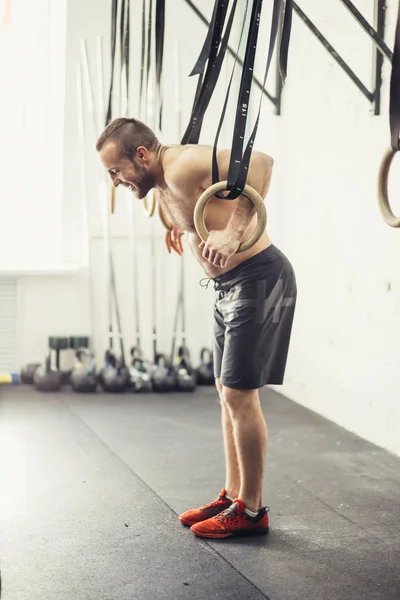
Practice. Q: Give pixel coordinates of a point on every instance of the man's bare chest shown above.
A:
(178, 209)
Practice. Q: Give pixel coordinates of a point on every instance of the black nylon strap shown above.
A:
(394, 107)
(214, 65)
(127, 41)
(199, 67)
(142, 56)
(210, 79)
(205, 54)
(198, 91)
(149, 38)
(239, 161)
(160, 27)
(122, 32)
(239, 181)
(124, 45)
(242, 111)
(215, 173)
(192, 132)
(285, 39)
(114, 12)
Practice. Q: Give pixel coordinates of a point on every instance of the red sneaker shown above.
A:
(195, 515)
(233, 521)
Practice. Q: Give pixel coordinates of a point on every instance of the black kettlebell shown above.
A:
(162, 375)
(47, 380)
(186, 378)
(205, 371)
(83, 376)
(114, 377)
(140, 372)
(28, 372)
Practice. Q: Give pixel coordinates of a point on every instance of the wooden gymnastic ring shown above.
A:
(112, 199)
(149, 212)
(250, 193)
(383, 194)
(167, 224)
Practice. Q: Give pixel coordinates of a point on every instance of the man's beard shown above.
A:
(144, 186)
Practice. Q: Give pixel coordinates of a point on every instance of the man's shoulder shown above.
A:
(181, 153)
(187, 161)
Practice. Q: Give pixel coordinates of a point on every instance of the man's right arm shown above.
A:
(173, 236)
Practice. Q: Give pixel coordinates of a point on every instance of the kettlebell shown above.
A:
(205, 371)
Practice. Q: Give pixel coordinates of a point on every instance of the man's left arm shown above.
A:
(221, 245)
(259, 178)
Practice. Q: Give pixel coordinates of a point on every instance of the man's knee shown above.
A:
(218, 385)
(238, 400)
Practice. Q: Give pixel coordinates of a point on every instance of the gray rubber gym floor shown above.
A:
(91, 487)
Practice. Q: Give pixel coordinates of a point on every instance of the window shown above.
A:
(32, 89)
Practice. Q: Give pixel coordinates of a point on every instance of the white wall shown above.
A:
(344, 357)
(32, 55)
(322, 212)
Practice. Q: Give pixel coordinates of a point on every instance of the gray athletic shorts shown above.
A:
(253, 314)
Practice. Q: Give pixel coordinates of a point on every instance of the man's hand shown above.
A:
(220, 246)
(173, 239)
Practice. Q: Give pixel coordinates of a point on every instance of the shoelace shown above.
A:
(228, 514)
(208, 280)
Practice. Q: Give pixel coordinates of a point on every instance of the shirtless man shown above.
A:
(253, 314)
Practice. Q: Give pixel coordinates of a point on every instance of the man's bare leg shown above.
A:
(250, 441)
(232, 482)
